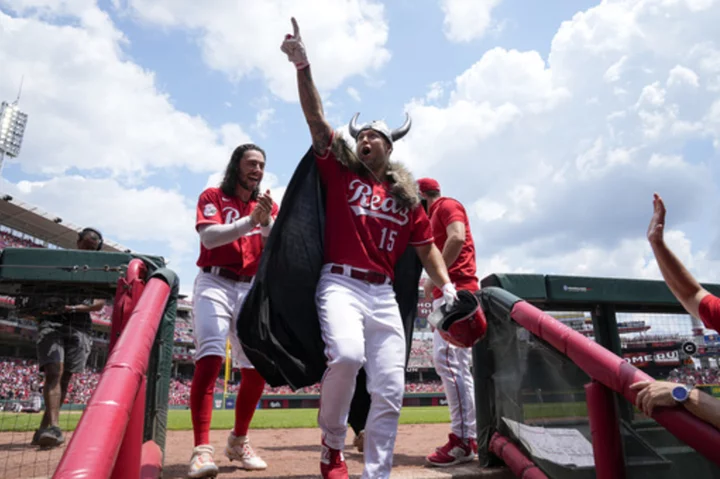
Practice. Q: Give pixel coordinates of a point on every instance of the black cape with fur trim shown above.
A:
(278, 324)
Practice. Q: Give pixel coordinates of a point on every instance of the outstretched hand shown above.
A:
(294, 48)
(657, 222)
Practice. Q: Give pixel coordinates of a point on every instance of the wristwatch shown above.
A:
(681, 393)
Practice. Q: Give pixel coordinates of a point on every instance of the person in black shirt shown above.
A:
(63, 348)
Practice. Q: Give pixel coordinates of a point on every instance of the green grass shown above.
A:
(30, 422)
(179, 419)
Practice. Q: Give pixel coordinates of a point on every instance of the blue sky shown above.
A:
(553, 122)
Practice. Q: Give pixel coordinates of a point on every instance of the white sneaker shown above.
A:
(202, 463)
(238, 448)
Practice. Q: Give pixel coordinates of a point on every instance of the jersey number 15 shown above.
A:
(387, 240)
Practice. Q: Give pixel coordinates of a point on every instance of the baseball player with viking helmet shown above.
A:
(372, 214)
(451, 230)
(233, 222)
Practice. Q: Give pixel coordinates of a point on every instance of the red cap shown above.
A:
(428, 184)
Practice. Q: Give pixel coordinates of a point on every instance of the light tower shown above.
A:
(12, 129)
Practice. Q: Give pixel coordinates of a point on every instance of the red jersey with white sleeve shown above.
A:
(709, 311)
(364, 226)
(242, 256)
(443, 212)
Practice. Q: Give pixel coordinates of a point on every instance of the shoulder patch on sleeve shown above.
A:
(209, 210)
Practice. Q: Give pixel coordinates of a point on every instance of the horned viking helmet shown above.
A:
(381, 127)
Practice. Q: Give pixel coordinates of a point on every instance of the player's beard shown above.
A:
(253, 192)
(423, 202)
(375, 162)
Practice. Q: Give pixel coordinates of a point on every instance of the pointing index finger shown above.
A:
(296, 29)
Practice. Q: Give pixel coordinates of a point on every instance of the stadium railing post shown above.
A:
(127, 464)
(114, 400)
(605, 432)
(605, 328)
(127, 295)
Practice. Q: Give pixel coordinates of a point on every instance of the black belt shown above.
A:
(227, 274)
(368, 276)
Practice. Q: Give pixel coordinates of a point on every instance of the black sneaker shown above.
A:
(36, 437)
(51, 437)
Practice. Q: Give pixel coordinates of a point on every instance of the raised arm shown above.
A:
(310, 101)
(678, 279)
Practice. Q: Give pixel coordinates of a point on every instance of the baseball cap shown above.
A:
(428, 184)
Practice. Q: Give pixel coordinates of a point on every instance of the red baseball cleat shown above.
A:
(332, 463)
(456, 451)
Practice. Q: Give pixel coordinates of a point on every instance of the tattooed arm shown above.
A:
(312, 107)
(309, 96)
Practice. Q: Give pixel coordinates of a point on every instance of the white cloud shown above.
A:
(680, 75)
(559, 159)
(263, 118)
(487, 210)
(92, 109)
(502, 76)
(632, 258)
(241, 38)
(353, 93)
(214, 179)
(666, 161)
(95, 112)
(436, 92)
(651, 96)
(613, 73)
(467, 20)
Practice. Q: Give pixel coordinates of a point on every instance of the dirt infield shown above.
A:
(290, 453)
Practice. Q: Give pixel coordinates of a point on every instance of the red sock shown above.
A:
(251, 388)
(201, 396)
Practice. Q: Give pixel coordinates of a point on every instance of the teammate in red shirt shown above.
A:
(451, 228)
(233, 222)
(373, 214)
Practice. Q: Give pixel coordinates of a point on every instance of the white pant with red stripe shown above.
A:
(453, 366)
(361, 327)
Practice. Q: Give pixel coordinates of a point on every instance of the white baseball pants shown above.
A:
(453, 366)
(361, 327)
(216, 304)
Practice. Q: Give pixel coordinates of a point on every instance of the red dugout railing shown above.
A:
(116, 408)
(615, 373)
(516, 460)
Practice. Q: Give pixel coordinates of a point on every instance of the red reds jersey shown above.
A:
(709, 310)
(242, 255)
(443, 212)
(364, 226)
